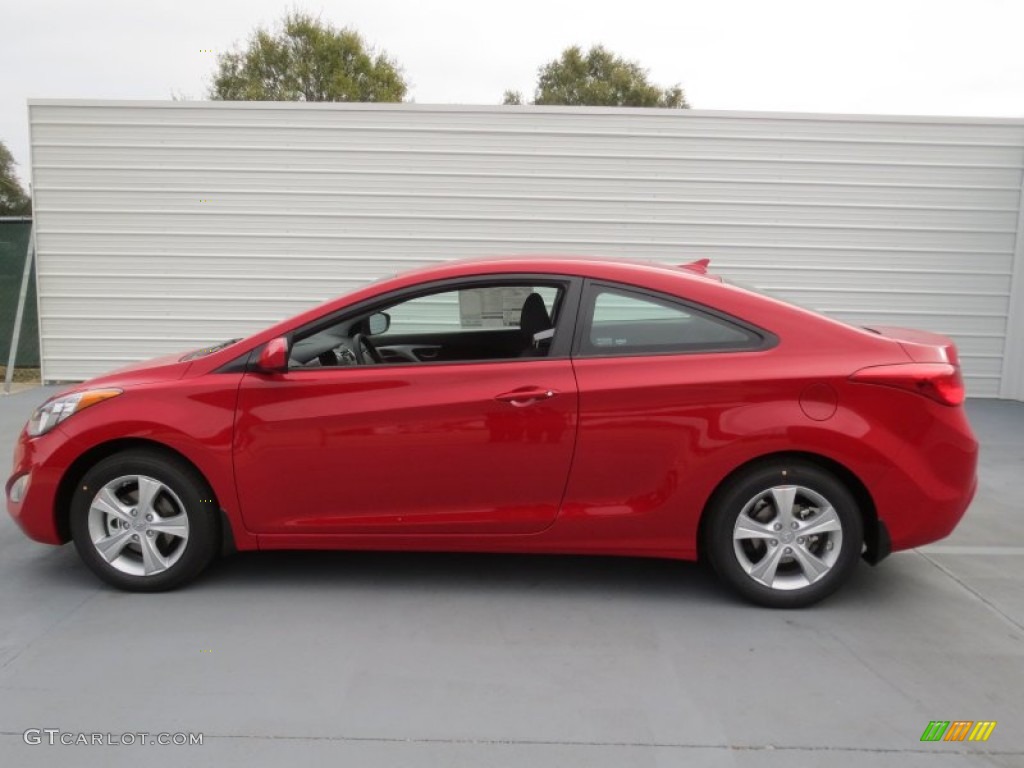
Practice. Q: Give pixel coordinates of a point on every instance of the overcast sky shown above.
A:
(939, 57)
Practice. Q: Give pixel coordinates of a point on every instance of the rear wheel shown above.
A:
(144, 521)
(784, 535)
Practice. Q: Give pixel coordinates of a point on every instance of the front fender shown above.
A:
(192, 417)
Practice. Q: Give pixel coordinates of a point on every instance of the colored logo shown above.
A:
(958, 730)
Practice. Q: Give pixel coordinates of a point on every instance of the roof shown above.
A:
(583, 265)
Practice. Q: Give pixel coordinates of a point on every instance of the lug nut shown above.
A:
(134, 513)
(150, 534)
(149, 517)
(788, 550)
(795, 525)
(135, 537)
(775, 542)
(777, 526)
(800, 540)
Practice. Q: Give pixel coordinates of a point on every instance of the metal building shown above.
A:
(168, 225)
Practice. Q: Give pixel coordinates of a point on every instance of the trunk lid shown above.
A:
(921, 346)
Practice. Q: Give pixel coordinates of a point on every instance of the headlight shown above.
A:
(53, 412)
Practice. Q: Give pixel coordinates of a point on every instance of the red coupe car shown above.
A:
(566, 405)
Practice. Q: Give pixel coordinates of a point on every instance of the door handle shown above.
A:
(525, 396)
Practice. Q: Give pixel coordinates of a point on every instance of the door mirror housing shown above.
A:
(378, 322)
(274, 356)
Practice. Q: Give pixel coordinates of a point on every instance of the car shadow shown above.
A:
(555, 576)
(469, 572)
(287, 573)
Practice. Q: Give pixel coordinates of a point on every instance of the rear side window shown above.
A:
(623, 322)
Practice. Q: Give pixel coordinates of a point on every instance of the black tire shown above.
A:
(753, 487)
(184, 491)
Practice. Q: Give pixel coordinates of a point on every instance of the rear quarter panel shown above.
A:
(658, 435)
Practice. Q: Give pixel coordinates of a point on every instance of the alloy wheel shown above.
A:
(787, 537)
(138, 525)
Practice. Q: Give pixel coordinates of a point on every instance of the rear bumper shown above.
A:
(932, 484)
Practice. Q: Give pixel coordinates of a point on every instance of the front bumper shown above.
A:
(39, 465)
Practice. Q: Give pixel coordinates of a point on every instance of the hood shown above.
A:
(164, 368)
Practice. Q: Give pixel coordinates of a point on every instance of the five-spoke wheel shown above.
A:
(144, 520)
(138, 525)
(784, 535)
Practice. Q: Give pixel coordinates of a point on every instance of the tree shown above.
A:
(13, 199)
(598, 78)
(307, 60)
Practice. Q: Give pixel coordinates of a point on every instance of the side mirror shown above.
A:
(378, 322)
(274, 356)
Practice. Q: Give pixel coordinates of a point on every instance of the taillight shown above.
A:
(939, 381)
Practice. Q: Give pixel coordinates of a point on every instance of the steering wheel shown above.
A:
(366, 353)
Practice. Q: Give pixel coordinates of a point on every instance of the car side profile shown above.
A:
(543, 405)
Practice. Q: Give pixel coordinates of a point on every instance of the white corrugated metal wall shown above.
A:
(165, 225)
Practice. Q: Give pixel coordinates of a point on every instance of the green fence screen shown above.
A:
(14, 237)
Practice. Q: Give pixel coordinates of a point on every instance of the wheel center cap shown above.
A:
(786, 536)
(139, 525)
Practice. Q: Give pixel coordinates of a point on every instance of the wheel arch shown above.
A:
(97, 453)
(876, 537)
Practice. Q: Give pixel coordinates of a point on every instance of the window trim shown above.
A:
(561, 345)
(760, 339)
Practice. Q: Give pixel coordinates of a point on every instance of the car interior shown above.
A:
(481, 322)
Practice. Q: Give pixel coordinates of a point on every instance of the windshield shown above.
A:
(769, 293)
(773, 295)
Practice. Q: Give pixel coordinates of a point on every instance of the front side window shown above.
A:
(481, 321)
(468, 309)
(624, 322)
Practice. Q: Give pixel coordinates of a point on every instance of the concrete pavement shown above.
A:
(397, 659)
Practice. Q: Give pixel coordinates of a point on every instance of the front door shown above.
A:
(477, 446)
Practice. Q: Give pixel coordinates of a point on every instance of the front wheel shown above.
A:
(144, 521)
(784, 535)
